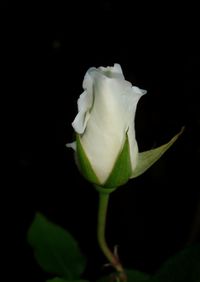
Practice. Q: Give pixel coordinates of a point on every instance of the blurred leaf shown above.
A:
(136, 276)
(148, 158)
(132, 276)
(55, 249)
(57, 279)
(183, 267)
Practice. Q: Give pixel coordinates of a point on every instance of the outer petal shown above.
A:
(111, 116)
(85, 100)
(137, 93)
(84, 104)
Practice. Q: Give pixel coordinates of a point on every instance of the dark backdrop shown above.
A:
(47, 50)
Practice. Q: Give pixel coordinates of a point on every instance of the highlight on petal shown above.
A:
(148, 158)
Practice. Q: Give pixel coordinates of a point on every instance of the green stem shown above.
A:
(113, 259)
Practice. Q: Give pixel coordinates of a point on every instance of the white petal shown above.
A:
(137, 93)
(71, 145)
(84, 105)
(85, 102)
(111, 116)
(117, 68)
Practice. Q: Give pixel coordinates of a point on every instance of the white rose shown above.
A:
(106, 146)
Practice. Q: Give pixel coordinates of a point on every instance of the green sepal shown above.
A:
(120, 173)
(122, 169)
(57, 279)
(84, 164)
(148, 158)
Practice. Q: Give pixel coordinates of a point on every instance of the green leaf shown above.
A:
(84, 164)
(57, 279)
(132, 276)
(55, 249)
(183, 267)
(122, 169)
(137, 276)
(148, 158)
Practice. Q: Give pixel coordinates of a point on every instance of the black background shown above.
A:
(46, 52)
